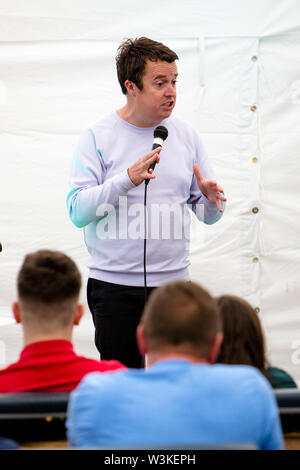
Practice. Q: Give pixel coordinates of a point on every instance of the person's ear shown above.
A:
(141, 340)
(130, 87)
(16, 312)
(78, 314)
(215, 348)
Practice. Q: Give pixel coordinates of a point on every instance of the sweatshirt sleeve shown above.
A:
(88, 187)
(205, 210)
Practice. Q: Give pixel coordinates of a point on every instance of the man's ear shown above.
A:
(78, 314)
(16, 312)
(215, 348)
(141, 340)
(131, 88)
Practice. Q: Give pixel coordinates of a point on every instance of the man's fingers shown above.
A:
(219, 205)
(148, 163)
(220, 194)
(149, 176)
(154, 158)
(219, 198)
(151, 155)
(197, 171)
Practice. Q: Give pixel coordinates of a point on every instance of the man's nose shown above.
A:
(170, 90)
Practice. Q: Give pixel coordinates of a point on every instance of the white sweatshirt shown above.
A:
(104, 201)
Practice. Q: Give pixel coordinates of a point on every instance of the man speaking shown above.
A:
(138, 239)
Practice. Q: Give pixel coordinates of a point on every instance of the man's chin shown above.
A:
(167, 113)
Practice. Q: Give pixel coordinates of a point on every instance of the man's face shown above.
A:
(156, 100)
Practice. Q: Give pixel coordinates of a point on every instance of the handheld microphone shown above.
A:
(160, 134)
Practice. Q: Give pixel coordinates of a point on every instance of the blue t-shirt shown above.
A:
(174, 402)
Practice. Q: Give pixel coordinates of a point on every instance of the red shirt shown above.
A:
(48, 366)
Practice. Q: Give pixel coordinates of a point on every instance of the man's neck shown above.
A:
(152, 358)
(129, 114)
(35, 338)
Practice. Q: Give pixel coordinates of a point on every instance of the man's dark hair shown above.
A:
(181, 314)
(132, 56)
(48, 277)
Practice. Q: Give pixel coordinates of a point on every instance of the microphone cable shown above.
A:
(160, 134)
(145, 240)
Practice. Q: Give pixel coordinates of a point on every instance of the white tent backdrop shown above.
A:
(57, 74)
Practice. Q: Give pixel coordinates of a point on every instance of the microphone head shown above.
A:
(161, 132)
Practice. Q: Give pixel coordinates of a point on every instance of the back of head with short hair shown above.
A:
(181, 315)
(132, 56)
(48, 286)
(243, 340)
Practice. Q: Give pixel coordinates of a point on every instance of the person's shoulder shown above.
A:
(112, 365)
(106, 121)
(279, 378)
(185, 131)
(99, 131)
(98, 388)
(9, 376)
(240, 376)
(180, 124)
(99, 379)
(98, 365)
(245, 386)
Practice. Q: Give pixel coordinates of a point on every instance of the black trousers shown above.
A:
(116, 312)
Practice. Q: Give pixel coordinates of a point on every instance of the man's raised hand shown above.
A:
(209, 188)
(138, 172)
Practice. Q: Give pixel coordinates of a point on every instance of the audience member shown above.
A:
(8, 444)
(48, 290)
(243, 341)
(181, 399)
